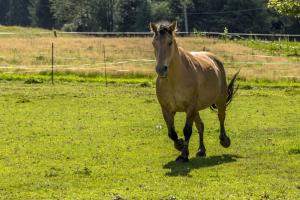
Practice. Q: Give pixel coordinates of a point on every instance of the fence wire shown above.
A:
(117, 34)
(87, 57)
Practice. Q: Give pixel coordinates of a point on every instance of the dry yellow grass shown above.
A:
(132, 55)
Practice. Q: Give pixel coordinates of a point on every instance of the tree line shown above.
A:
(134, 15)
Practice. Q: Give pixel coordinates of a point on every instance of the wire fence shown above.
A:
(133, 55)
(181, 33)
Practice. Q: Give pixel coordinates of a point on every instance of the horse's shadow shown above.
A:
(183, 169)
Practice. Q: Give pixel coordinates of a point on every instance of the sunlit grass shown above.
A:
(280, 47)
(87, 141)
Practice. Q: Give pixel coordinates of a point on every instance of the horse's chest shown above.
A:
(174, 99)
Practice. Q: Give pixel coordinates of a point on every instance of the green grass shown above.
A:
(82, 140)
(142, 79)
(24, 31)
(111, 79)
(279, 47)
(29, 32)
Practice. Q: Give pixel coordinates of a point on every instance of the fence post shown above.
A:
(104, 57)
(288, 44)
(52, 60)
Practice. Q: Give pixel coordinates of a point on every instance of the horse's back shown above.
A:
(211, 77)
(210, 64)
(207, 57)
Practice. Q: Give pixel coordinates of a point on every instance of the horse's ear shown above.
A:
(153, 28)
(173, 27)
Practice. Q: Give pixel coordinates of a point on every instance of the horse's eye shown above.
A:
(170, 43)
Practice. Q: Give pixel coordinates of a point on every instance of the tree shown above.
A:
(160, 11)
(103, 15)
(246, 16)
(127, 11)
(201, 17)
(134, 15)
(176, 8)
(4, 7)
(73, 15)
(18, 13)
(63, 12)
(237, 15)
(41, 14)
(286, 7)
(143, 15)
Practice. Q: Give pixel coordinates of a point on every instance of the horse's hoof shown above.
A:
(225, 142)
(201, 153)
(179, 144)
(181, 159)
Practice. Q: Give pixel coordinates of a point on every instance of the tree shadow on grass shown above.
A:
(183, 169)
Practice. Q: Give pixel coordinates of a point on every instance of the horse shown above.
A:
(189, 82)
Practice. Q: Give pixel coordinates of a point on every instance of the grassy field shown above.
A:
(87, 141)
(280, 47)
(22, 31)
(78, 139)
(30, 52)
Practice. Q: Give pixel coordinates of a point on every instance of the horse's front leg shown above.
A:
(169, 119)
(190, 116)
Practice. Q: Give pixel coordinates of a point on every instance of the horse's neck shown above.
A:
(179, 61)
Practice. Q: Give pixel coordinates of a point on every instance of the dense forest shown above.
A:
(134, 15)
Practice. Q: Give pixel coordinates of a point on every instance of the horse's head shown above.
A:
(164, 46)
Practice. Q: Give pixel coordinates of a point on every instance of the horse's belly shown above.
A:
(207, 97)
(203, 105)
(182, 103)
(183, 97)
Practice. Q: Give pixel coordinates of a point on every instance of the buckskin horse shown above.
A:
(189, 82)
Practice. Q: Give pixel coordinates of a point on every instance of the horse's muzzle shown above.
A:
(162, 72)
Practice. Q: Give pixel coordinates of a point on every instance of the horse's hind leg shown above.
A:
(169, 119)
(200, 126)
(224, 139)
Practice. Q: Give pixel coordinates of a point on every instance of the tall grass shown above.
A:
(28, 53)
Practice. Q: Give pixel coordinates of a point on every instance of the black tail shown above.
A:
(231, 91)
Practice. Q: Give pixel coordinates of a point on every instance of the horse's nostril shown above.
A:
(165, 68)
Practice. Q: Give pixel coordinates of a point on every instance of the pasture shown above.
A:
(133, 56)
(78, 139)
(82, 140)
